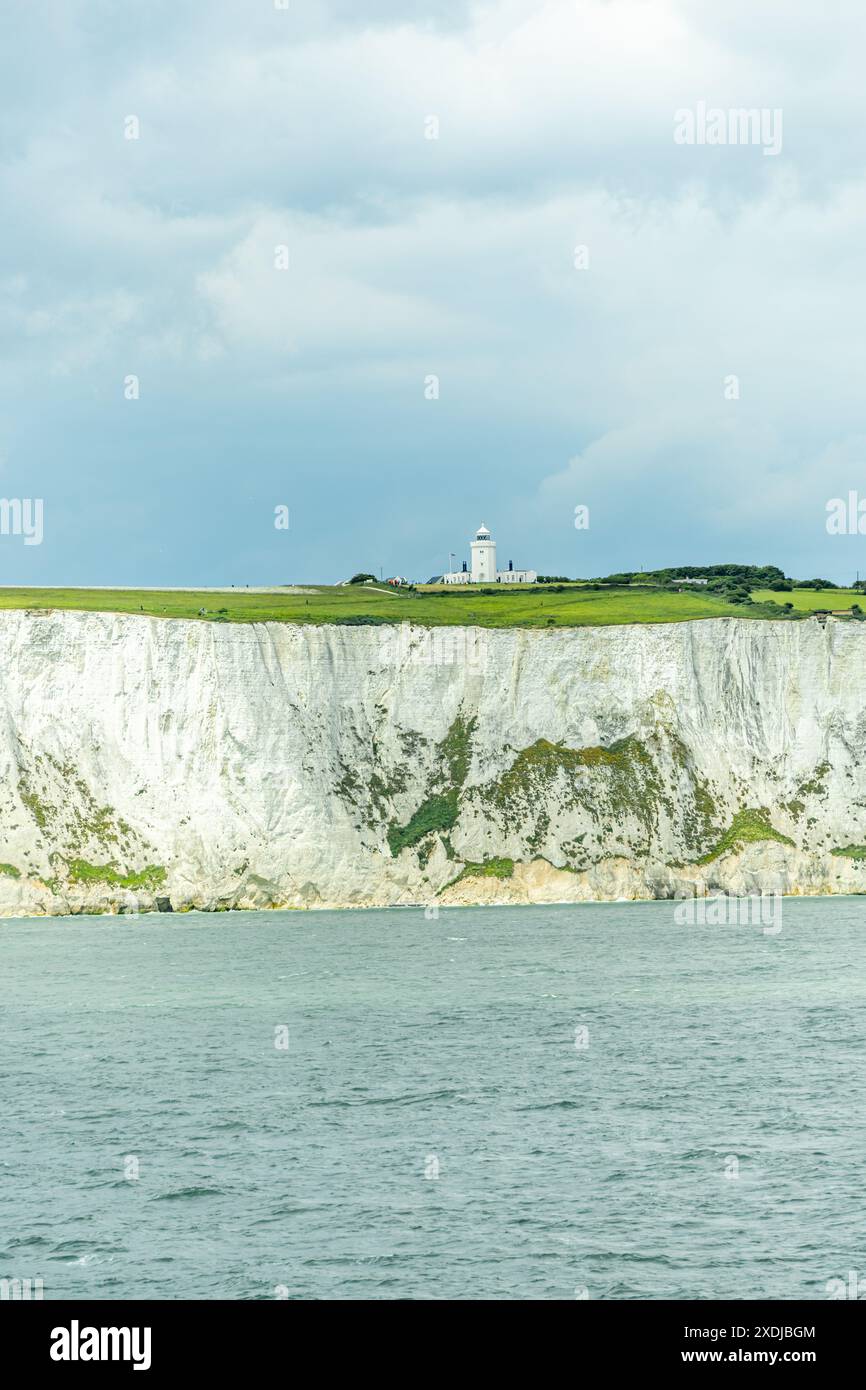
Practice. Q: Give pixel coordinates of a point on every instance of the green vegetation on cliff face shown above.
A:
(810, 786)
(62, 804)
(697, 810)
(747, 827)
(536, 766)
(77, 831)
(614, 785)
(439, 812)
(582, 805)
(38, 810)
(850, 852)
(619, 788)
(149, 879)
(814, 785)
(456, 750)
(489, 868)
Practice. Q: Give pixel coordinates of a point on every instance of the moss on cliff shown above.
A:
(456, 750)
(150, 878)
(439, 812)
(616, 785)
(538, 765)
(436, 813)
(748, 827)
(64, 808)
(40, 810)
(489, 868)
(698, 812)
(814, 785)
(809, 786)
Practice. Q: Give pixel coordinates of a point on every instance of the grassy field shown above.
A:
(807, 600)
(529, 608)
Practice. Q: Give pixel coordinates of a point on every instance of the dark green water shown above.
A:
(414, 1043)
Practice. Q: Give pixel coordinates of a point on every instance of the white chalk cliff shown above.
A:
(217, 765)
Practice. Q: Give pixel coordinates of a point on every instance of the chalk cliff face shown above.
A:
(220, 766)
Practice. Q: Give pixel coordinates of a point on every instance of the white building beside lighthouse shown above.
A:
(482, 566)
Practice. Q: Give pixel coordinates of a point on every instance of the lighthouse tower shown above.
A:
(483, 557)
(483, 566)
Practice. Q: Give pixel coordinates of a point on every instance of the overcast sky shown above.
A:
(606, 384)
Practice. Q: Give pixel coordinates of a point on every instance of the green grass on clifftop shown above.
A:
(807, 600)
(533, 607)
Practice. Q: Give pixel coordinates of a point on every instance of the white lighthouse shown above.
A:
(483, 563)
(482, 566)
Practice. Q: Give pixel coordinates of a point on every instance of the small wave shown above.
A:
(188, 1192)
(283, 1212)
(556, 1105)
(340, 1102)
(18, 1241)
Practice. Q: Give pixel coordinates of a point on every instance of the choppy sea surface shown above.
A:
(504, 1103)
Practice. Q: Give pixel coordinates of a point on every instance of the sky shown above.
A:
(401, 268)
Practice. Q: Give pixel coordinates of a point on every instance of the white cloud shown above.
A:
(455, 255)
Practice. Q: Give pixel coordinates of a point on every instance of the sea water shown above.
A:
(504, 1103)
